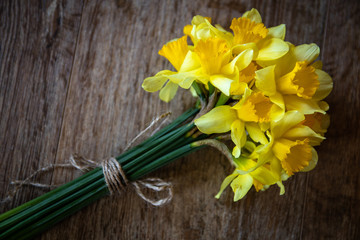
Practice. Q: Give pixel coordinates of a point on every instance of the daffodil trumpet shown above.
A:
(260, 103)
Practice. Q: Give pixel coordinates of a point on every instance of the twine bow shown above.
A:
(117, 181)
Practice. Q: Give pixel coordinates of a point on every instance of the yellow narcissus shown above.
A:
(250, 32)
(217, 65)
(183, 60)
(294, 83)
(242, 179)
(202, 29)
(288, 150)
(274, 91)
(292, 143)
(266, 43)
(252, 113)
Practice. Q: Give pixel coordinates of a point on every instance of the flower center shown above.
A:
(293, 155)
(302, 81)
(245, 76)
(213, 54)
(318, 122)
(255, 109)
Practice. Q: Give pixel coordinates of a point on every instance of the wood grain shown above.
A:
(37, 51)
(71, 75)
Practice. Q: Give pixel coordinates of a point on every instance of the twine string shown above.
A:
(114, 175)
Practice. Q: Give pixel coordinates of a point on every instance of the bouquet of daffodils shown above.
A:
(253, 88)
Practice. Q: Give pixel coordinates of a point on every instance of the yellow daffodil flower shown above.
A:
(291, 143)
(202, 29)
(217, 65)
(183, 60)
(249, 32)
(251, 39)
(242, 179)
(274, 91)
(252, 113)
(267, 45)
(301, 89)
(293, 83)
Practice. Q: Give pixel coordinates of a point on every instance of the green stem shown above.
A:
(16, 215)
(222, 100)
(199, 91)
(96, 190)
(20, 219)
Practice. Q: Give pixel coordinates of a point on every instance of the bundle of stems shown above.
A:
(38, 215)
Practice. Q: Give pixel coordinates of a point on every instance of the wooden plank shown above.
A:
(332, 200)
(36, 55)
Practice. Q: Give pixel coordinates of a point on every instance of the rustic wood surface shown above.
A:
(70, 81)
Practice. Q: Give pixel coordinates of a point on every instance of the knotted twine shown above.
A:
(117, 181)
(114, 175)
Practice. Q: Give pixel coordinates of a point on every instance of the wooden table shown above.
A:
(70, 81)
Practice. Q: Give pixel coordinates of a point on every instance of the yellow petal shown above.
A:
(305, 106)
(250, 146)
(190, 62)
(249, 166)
(198, 19)
(253, 15)
(245, 80)
(168, 92)
(241, 61)
(294, 155)
(277, 31)
(222, 83)
(237, 49)
(155, 83)
(265, 80)
(187, 30)
(272, 48)
(301, 132)
(238, 136)
(290, 119)
(325, 87)
(241, 185)
(255, 133)
(185, 79)
(238, 88)
(313, 162)
(175, 51)
(278, 109)
(323, 105)
(306, 52)
(202, 30)
(265, 176)
(225, 183)
(236, 152)
(218, 120)
(283, 64)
